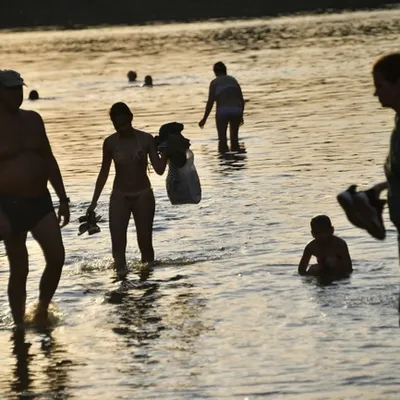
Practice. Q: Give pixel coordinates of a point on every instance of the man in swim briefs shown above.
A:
(227, 93)
(27, 164)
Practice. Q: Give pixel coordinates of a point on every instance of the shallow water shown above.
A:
(223, 314)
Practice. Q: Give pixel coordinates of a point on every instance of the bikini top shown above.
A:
(128, 150)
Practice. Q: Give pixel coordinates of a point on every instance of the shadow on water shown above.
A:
(55, 367)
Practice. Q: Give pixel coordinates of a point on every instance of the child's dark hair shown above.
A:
(220, 67)
(119, 108)
(388, 66)
(321, 220)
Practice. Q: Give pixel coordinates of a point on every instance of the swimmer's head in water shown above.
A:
(33, 95)
(11, 93)
(121, 117)
(131, 76)
(386, 74)
(321, 227)
(219, 68)
(148, 80)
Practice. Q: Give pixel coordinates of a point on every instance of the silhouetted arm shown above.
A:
(242, 99)
(305, 260)
(103, 175)
(346, 265)
(53, 170)
(209, 105)
(380, 187)
(159, 163)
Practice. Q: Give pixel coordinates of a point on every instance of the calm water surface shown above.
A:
(224, 314)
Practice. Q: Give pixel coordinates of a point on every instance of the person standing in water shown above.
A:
(129, 149)
(27, 164)
(386, 76)
(227, 93)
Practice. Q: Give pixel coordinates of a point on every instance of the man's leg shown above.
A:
(17, 254)
(48, 235)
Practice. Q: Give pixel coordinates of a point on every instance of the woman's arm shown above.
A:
(209, 105)
(159, 163)
(103, 175)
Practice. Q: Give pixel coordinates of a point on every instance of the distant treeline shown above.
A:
(75, 13)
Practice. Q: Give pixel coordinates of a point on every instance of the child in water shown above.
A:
(331, 252)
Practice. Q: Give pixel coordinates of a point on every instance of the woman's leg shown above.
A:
(234, 124)
(222, 121)
(143, 213)
(119, 214)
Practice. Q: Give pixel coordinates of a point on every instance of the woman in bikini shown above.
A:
(227, 93)
(129, 148)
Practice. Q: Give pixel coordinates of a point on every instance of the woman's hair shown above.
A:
(219, 68)
(119, 108)
(388, 66)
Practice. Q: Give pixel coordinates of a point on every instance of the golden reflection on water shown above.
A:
(224, 308)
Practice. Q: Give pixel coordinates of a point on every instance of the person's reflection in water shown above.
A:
(58, 366)
(22, 381)
(142, 319)
(135, 304)
(233, 159)
(54, 382)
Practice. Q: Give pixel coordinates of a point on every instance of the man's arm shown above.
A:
(53, 170)
(305, 260)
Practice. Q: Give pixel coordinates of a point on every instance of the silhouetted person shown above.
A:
(132, 194)
(33, 95)
(386, 76)
(132, 76)
(148, 80)
(227, 93)
(27, 166)
(331, 252)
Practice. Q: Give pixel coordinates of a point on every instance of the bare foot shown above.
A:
(122, 271)
(41, 316)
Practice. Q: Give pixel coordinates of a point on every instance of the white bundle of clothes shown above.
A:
(182, 182)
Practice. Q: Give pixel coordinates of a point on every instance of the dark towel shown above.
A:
(171, 138)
